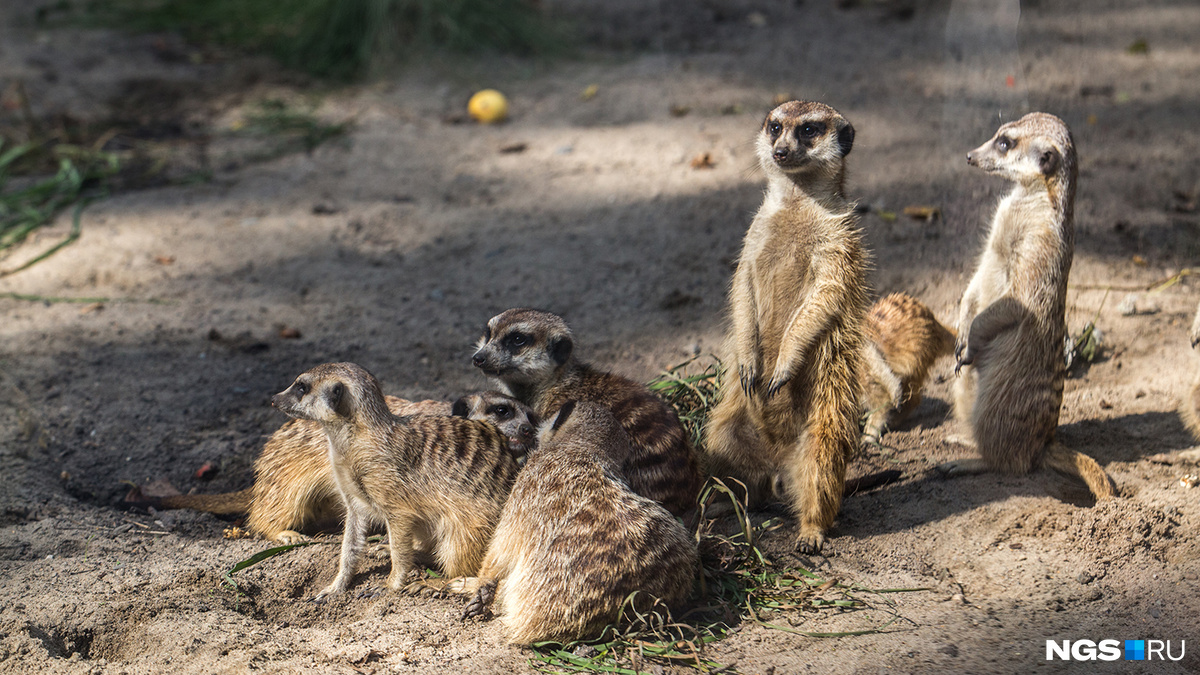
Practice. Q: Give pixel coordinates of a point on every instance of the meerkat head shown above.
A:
(1037, 147)
(523, 347)
(515, 420)
(804, 138)
(332, 393)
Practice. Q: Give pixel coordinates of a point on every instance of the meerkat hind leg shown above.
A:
(400, 548)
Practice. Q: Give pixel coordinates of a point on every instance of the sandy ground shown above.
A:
(602, 218)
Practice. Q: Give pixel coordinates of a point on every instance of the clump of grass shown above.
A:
(23, 209)
(690, 388)
(342, 38)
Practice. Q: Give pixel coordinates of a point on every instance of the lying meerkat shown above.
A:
(293, 485)
(1012, 318)
(529, 354)
(790, 421)
(438, 480)
(903, 340)
(575, 541)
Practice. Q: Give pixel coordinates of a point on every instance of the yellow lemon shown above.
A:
(488, 106)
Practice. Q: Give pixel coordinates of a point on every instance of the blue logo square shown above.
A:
(1135, 650)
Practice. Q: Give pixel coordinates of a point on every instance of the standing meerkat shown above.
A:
(903, 340)
(575, 541)
(529, 354)
(790, 420)
(294, 487)
(440, 481)
(1012, 320)
(1189, 408)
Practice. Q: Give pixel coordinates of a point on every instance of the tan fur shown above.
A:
(1189, 407)
(903, 340)
(1012, 317)
(797, 303)
(574, 541)
(437, 480)
(530, 355)
(293, 486)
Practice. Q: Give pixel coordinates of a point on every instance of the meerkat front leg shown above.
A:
(745, 330)
(811, 318)
(991, 322)
(400, 547)
(354, 537)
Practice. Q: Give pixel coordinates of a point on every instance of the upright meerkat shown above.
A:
(797, 301)
(1012, 319)
(440, 481)
(530, 355)
(294, 487)
(575, 541)
(1189, 408)
(903, 340)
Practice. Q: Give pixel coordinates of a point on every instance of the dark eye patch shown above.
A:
(810, 130)
(774, 128)
(1004, 144)
(516, 341)
(500, 412)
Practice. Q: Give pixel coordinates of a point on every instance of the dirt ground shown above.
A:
(392, 246)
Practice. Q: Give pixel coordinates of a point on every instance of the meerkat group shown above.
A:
(604, 508)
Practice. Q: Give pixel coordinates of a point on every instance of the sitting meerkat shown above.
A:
(903, 340)
(438, 480)
(1012, 317)
(294, 487)
(529, 354)
(574, 541)
(789, 421)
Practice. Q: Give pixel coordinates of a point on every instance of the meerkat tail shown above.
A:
(1065, 460)
(224, 504)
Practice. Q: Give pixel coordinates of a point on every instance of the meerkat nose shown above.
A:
(479, 359)
(525, 431)
(970, 159)
(780, 154)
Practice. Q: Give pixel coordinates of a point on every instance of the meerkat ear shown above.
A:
(460, 408)
(560, 349)
(563, 413)
(336, 397)
(1048, 162)
(846, 138)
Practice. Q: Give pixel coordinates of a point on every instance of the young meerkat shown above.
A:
(790, 420)
(575, 541)
(294, 487)
(1012, 319)
(903, 340)
(529, 354)
(437, 480)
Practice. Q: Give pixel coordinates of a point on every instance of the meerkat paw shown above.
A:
(810, 541)
(962, 467)
(778, 381)
(749, 378)
(288, 537)
(481, 604)
(397, 580)
(337, 587)
(463, 585)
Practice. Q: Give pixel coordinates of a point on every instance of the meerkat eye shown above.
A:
(301, 388)
(774, 128)
(518, 340)
(502, 411)
(810, 130)
(1004, 143)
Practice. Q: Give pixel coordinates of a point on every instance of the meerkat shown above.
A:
(530, 355)
(1189, 408)
(438, 480)
(903, 340)
(786, 425)
(294, 487)
(1012, 317)
(574, 541)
